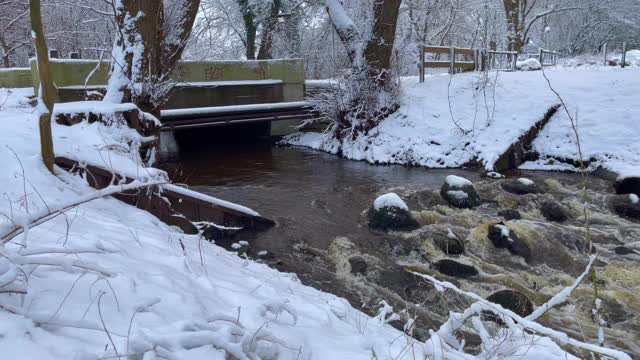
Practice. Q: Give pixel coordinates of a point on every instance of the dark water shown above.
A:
(316, 198)
(313, 196)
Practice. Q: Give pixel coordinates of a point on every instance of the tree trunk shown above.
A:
(380, 47)
(374, 93)
(136, 54)
(47, 93)
(250, 28)
(268, 30)
(515, 11)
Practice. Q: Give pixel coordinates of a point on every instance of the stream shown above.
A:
(320, 201)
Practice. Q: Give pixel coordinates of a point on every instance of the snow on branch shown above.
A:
(516, 324)
(346, 29)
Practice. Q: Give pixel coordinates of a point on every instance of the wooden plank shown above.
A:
(437, 64)
(465, 51)
(436, 49)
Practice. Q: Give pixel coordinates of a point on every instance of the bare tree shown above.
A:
(373, 91)
(150, 39)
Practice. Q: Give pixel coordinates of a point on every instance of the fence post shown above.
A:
(604, 50)
(421, 63)
(541, 57)
(624, 54)
(452, 59)
(514, 61)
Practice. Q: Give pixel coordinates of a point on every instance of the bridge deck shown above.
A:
(190, 118)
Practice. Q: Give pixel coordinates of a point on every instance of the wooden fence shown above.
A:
(459, 59)
(545, 57)
(499, 60)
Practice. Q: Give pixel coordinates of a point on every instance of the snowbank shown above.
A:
(108, 278)
(450, 121)
(528, 65)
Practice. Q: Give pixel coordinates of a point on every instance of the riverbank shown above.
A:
(448, 122)
(106, 279)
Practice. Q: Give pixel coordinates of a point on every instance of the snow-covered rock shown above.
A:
(503, 237)
(459, 192)
(520, 186)
(389, 212)
(528, 65)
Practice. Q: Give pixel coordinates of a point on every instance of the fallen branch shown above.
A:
(41, 217)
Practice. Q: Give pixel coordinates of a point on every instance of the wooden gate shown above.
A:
(459, 59)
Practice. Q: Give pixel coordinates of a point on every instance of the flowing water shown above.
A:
(319, 202)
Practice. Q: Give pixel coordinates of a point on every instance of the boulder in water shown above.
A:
(623, 250)
(389, 212)
(449, 243)
(504, 238)
(358, 265)
(459, 192)
(554, 212)
(455, 269)
(512, 300)
(520, 186)
(627, 206)
(627, 185)
(510, 214)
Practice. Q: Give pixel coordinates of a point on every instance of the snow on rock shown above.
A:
(525, 181)
(528, 65)
(457, 181)
(634, 198)
(390, 199)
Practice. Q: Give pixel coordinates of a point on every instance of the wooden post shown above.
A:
(452, 60)
(421, 63)
(604, 50)
(541, 57)
(514, 61)
(624, 54)
(48, 90)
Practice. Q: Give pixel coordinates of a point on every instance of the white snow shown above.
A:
(525, 181)
(458, 194)
(423, 132)
(106, 265)
(457, 181)
(389, 200)
(504, 230)
(230, 83)
(528, 65)
(232, 108)
(634, 198)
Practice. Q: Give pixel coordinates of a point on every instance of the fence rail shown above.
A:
(545, 57)
(500, 60)
(459, 59)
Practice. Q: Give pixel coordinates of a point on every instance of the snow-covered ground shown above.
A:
(146, 283)
(448, 121)
(106, 280)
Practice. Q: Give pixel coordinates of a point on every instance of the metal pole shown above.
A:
(624, 54)
(421, 63)
(604, 50)
(452, 60)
